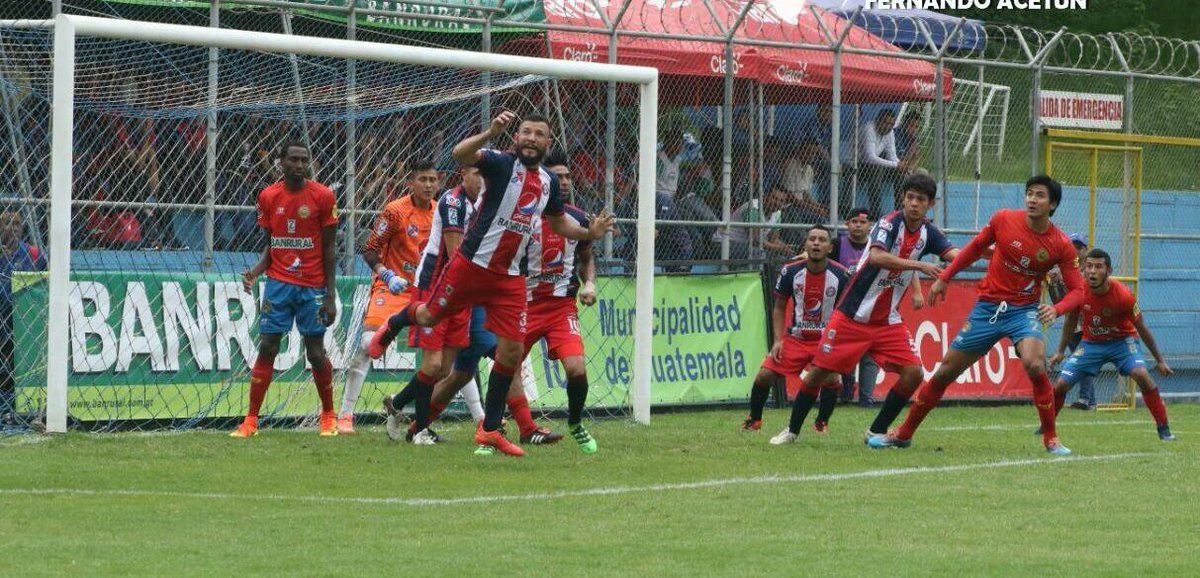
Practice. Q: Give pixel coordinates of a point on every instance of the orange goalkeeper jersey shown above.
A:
(399, 236)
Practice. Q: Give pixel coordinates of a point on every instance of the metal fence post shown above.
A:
(351, 182)
(210, 144)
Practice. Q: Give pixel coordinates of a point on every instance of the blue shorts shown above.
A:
(1092, 355)
(483, 344)
(990, 322)
(284, 303)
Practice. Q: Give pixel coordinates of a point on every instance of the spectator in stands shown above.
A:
(695, 204)
(908, 147)
(670, 164)
(743, 243)
(878, 165)
(1057, 290)
(15, 255)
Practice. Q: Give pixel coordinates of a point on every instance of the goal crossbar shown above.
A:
(67, 28)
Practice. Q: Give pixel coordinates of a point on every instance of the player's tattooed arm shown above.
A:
(467, 151)
(1139, 323)
(587, 272)
(598, 226)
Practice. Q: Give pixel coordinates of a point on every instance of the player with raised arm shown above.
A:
(867, 320)
(560, 270)
(486, 269)
(1112, 322)
(300, 218)
(392, 252)
(1027, 246)
(806, 293)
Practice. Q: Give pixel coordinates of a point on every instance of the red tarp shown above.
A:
(693, 71)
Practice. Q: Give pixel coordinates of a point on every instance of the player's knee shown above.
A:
(1142, 377)
(1061, 386)
(317, 357)
(909, 380)
(1033, 366)
(268, 350)
(574, 367)
(508, 353)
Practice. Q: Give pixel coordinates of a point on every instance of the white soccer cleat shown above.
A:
(424, 438)
(784, 437)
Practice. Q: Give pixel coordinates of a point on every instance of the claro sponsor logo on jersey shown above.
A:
(291, 243)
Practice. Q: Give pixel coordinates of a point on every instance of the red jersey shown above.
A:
(1020, 261)
(1109, 317)
(294, 220)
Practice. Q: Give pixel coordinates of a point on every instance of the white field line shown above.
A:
(600, 491)
(1033, 423)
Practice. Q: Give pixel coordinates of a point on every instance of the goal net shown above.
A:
(139, 149)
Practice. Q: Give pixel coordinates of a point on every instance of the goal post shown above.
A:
(67, 29)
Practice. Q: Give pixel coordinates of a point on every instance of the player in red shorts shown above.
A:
(867, 319)
(1111, 325)
(300, 218)
(486, 270)
(813, 286)
(560, 270)
(1027, 247)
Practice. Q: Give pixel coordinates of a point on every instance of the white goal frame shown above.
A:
(67, 28)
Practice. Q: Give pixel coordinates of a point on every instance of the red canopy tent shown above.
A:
(693, 70)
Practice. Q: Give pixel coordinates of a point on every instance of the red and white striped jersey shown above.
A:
(513, 200)
(554, 259)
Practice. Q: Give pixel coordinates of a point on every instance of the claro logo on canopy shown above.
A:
(922, 88)
(792, 75)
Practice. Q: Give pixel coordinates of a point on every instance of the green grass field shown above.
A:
(688, 496)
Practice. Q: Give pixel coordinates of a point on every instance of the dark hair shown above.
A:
(537, 117)
(1051, 185)
(856, 211)
(820, 227)
(911, 116)
(556, 158)
(1100, 254)
(920, 183)
(419, 165)
(885, 112)
(287, 145)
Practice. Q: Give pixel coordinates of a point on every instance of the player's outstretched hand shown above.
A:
(1164, 369)
(248, 280)
(395, 284)
(328, 312)
(936, 291)
(600, 224)
(1054, 360)
(1046, 313)
(587, 294)
(501, 122)
(929, 269)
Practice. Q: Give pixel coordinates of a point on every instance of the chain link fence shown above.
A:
(769, 122)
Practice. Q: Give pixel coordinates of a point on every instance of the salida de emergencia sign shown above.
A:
(1081, 110)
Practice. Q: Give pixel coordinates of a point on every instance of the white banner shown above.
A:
(1081, 110)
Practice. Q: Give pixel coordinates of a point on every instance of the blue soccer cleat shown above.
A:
(880, 442)
(1164, 433)
(1055, 448)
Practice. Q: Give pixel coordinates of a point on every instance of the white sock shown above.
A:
(356, 374)
(470, 393)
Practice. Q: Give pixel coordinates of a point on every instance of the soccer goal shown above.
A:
(140, 149)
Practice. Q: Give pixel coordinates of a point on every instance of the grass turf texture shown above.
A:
(288, 502)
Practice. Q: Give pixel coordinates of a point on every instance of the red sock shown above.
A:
(323, 375)
(1043, 400)
(519, 406)
(924, 401)
(1060, 399)
(1154, 403)
(435, 411)
(260, 382)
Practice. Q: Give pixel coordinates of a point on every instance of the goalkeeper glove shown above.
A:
(395, 284)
